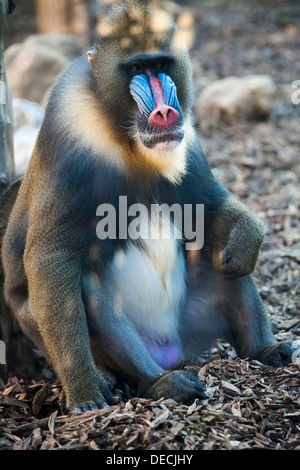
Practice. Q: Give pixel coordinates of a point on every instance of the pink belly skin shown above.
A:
(167, 356)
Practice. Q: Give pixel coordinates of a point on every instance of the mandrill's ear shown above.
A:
(90, 55)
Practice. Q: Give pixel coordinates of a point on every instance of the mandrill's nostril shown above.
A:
(164, 117)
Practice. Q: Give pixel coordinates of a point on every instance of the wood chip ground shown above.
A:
(250, 406)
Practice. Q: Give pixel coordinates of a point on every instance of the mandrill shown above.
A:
(118, 124)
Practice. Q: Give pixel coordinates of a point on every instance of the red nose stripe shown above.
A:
(157, 91)
(163, 117)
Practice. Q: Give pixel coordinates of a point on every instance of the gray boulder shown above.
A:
(28, 118)
(24, 142)
(33, 65)
(232, 100)
(27, 113)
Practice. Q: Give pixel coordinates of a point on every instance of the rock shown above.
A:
(33, 65)
(24, 141)
(28, 117)
(27, 113)
(232, 100)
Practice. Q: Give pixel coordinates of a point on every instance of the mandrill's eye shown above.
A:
(160, 66)
(134, 69)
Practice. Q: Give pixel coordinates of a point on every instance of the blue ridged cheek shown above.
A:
(141, 92)
(170, 91)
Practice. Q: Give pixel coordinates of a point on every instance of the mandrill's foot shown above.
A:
(93, 396)
(277, 354)
(180, 385)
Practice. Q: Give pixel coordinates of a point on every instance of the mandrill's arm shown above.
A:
(233, 232)
(122, 349)
(237, 235)
(53, 266)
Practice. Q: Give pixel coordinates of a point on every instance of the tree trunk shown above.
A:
(7, 170)
(18, 358)
(66, 16)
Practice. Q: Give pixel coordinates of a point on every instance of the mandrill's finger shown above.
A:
(105, 393)
(108, 396)
(76, 410)
(103, 404)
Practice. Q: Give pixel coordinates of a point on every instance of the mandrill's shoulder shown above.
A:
(67, 93)
(75, 124)
(75, 77)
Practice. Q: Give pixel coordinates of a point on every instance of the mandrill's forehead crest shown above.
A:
(136, 27)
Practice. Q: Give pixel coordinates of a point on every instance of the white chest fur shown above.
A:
(149, 285)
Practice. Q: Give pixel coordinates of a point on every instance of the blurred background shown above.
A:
(246, 58)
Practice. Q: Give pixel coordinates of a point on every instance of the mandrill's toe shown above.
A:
(277, 354)
(89, 406)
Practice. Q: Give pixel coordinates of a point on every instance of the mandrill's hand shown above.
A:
(181, 385)
(240, 235)
(240, 255)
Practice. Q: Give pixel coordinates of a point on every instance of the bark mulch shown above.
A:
(251, 406)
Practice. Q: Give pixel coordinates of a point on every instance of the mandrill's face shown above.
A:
(158, 118)
(143, 77)
(143, 73)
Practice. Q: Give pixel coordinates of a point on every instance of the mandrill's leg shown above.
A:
(117, 345)
(230, 309)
